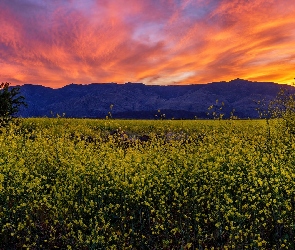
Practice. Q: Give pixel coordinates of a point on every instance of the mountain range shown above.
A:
(139, 101)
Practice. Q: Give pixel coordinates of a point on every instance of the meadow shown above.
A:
(201, 184)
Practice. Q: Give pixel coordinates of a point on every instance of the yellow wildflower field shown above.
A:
(122, 184)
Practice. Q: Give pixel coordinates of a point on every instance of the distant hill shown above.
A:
(139, 101)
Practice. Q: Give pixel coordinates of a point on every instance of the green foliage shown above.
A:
(283, 107)
(10, 102)
(213, 185)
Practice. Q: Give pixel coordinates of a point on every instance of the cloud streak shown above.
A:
(155, 41)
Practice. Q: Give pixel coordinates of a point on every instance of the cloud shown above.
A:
(157, 41)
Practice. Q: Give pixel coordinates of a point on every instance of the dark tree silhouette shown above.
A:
(10, 102)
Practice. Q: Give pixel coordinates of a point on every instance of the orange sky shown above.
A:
(55, 43)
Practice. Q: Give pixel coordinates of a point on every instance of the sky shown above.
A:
(57, 42)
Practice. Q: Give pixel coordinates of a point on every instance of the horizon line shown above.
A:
(144, 84)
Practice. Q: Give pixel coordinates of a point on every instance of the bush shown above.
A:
(10, 102)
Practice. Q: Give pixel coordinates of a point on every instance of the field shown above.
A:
(118, 184)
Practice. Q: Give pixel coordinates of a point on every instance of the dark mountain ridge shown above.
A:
(136, 100)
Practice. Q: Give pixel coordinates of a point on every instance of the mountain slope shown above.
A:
(143, 101)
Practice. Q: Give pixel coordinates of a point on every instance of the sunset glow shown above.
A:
(55, 43)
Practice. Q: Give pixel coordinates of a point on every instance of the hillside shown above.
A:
(136, 100)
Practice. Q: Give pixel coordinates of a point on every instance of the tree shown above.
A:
(10, 102)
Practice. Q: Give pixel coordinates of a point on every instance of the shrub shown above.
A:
(10, 102)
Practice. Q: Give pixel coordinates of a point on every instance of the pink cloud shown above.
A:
(155, 41)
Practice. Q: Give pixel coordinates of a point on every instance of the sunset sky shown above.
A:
(57, 42)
